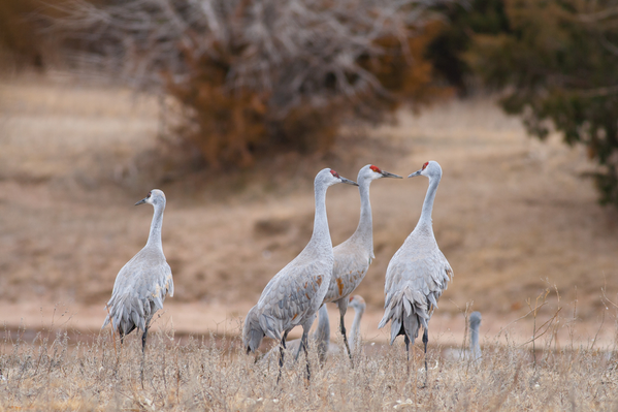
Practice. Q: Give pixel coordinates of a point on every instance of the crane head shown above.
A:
(429, 169)
(357, 302)
(155, 196)
(330, 177)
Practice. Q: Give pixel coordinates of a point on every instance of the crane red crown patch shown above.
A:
(332, 172)
(425, 165)
(375, 169)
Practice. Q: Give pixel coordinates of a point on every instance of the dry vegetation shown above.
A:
(215, 375)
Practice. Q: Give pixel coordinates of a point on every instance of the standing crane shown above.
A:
(475, 347)
(417, 274)
(294, 295)
(143, 282)
(358, 304)
(353, 257)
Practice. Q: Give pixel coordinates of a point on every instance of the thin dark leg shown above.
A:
(425, 340)
(281, 349)
(407, 342)
(345, 338)
(303, 343)
(141, 372)
(144, 337)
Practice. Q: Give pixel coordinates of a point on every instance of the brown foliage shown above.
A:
(254, 77)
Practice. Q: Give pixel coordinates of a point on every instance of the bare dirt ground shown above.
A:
(513, 215)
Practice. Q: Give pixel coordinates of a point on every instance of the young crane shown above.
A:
(418, 273)
(143, 282)
(353, 257)
(295, 294)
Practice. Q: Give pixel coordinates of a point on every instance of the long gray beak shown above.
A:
(348, 181)
(141, 201)
(389, 174)
(418, 172)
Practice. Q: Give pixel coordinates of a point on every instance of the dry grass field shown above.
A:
(513, 215)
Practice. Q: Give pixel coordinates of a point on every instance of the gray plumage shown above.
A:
(475, 347)
(252, 333)
(418, 273)
(143, 282)
(358, 304)
(353, 256)
(294, 295)
(321, 336)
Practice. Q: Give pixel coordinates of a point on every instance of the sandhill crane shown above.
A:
(143, 282)
(252, 333)
(353, 257)
(358, 304)
(474, 353)
(417, 274)
(475, 348)
(294, 295)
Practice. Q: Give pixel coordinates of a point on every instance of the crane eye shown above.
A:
(375, 169)
(149, 194)
(425, 165)
(332, 172)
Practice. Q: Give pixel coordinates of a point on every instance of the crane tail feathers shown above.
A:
(407, 313)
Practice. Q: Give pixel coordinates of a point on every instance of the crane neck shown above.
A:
(475, 347)
(425, 219)
(364, 230)
(154, 238)
(355, 331)
(321, 236)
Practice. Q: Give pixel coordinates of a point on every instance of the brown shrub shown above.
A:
(259, 76)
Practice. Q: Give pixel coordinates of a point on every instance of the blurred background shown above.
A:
(232, 106)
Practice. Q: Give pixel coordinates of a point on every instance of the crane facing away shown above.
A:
(353, 256)
(417, 274)
(143, 282)
(294, 295)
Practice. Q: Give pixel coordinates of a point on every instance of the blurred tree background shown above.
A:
(255, 77)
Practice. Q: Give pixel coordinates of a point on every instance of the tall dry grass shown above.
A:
(212, 373)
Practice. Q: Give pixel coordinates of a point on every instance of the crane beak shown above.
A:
(141, 201)
(417, 173)
(389, 174)
(348, 181)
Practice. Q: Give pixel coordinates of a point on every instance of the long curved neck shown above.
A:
(355, 331)
(364, 230)
(475, 348)
(154, 238)
(425, 219)
(321, 235)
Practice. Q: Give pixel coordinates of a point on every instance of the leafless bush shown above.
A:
(254, 75)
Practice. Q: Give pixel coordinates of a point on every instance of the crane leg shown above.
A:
(141, 369)
(303, 343)
(281, 349)
(425, 340)
(407, 342)
(144, 337)
(345, 338)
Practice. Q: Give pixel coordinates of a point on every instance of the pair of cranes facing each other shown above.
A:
(416, 276)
